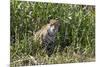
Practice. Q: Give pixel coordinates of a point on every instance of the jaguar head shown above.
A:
(54, 25)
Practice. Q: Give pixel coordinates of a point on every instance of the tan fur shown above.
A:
(43, 31)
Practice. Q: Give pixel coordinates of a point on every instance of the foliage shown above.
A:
(75, 41)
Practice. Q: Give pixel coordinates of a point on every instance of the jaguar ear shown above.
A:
(57, 18)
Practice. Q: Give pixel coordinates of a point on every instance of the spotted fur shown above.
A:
(47, 34)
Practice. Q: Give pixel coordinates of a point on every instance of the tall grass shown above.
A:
(75, 40)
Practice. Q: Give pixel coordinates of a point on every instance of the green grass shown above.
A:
(75, 40)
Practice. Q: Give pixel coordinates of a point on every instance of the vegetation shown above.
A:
(75, 40)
